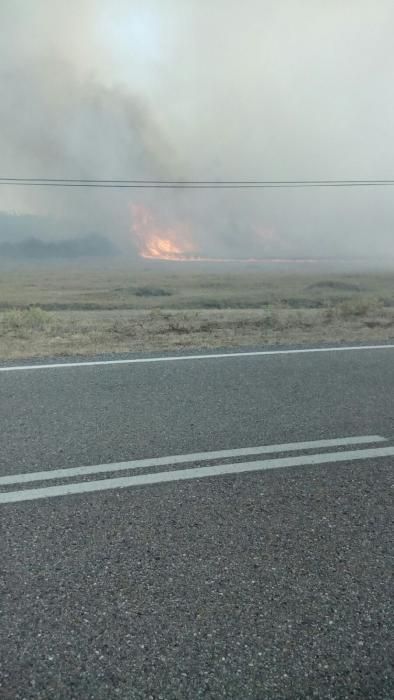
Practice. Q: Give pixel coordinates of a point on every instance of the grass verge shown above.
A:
(38, 333)
(75, 311)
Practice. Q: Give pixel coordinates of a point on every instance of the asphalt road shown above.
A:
(273, 583)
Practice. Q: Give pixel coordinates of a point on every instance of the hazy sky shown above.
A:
(289, 89)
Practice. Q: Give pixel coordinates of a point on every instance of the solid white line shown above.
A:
(197, 473)
(183, 459)
(179, 358)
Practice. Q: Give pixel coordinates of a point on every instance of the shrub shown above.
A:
(335, 284)
(23, 320)
(357, 307)
(151, 292)
(352, 308)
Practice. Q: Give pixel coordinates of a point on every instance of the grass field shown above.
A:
(71, 310)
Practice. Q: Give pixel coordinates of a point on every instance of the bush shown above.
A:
(351, 308)
(335, 284)
(272, 319)
(23, 320)
(151, 292)
(357, 307)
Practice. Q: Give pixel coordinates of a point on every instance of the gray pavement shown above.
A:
(268, 584)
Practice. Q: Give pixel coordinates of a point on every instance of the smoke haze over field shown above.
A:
(297, 89)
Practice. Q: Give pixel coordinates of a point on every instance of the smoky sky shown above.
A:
(168, 89)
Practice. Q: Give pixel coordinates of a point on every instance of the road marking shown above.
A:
(178, 358)
(196, 473)
(183, 459)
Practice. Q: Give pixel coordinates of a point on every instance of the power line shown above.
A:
(187, 184)
(183, 181)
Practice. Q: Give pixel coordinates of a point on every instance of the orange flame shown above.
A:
(157, 242)
(174, 243)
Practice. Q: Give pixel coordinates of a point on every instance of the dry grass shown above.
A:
(73, 288)
(71, 311)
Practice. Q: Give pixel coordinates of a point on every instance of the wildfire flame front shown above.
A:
(156, 242)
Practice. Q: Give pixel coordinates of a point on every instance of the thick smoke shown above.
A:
(173, 89)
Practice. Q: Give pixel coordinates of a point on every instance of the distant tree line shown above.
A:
(69, 248)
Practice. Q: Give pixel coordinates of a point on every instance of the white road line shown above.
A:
(197, 473)
(183, 459)
(179, 358)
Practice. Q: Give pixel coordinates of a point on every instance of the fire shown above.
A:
(174, 243)
(156, 242)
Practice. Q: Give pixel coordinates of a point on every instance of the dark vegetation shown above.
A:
(36, 249)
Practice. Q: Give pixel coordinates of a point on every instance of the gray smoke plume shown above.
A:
(222, 90)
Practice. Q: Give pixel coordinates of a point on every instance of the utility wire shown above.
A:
(187, 184)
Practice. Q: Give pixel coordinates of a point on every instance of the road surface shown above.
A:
(214, 527)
